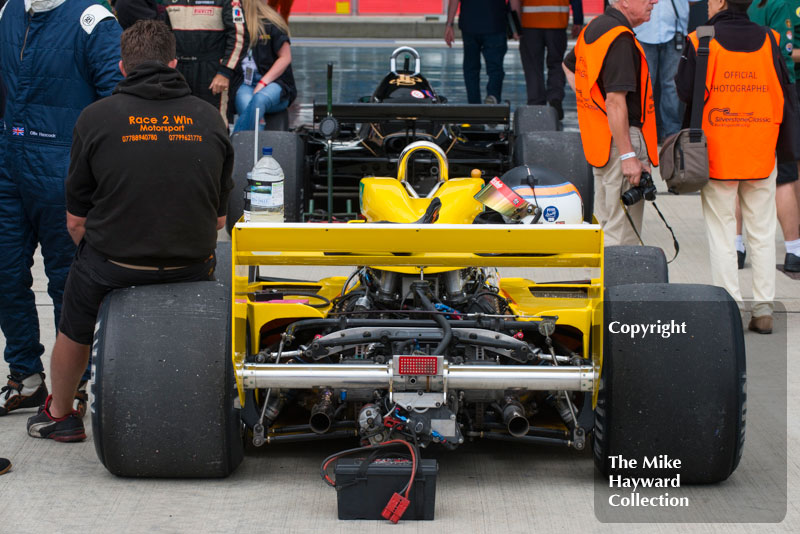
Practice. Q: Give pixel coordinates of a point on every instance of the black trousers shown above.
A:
(92, 276)
(534, 43)
(198, 74)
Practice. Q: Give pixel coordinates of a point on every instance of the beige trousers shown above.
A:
(757, 199)
(609, 184)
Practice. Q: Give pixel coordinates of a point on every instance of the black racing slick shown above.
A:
(150, 171)
(211, 38)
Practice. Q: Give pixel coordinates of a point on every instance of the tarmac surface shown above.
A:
(482, 487)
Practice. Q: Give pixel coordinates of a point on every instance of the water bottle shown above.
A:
(263, 196)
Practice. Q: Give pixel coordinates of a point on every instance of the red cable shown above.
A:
(407, 444)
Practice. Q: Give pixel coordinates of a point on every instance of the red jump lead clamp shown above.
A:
(396, 508)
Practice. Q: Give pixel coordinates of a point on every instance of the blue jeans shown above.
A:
(662, 60)
(267, 100)
(493, 46)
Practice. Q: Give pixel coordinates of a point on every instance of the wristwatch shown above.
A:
(450, 24)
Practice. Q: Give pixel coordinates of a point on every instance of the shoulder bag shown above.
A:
(684, 155)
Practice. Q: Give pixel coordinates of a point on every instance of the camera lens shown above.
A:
(645, 190)
(632, 196)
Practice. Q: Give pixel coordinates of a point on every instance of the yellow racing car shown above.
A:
(421, 325)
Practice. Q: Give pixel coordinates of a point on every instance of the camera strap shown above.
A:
(677, 18)
(675, 244)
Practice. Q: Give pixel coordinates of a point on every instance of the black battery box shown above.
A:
(364, 491)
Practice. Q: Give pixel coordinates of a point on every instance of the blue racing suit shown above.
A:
(56, 57)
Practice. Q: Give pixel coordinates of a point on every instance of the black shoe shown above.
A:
(81, 398)
(22, 392)
(556, 105)
(791, 263)
(64, 429)
(5, 465)
(740, 258)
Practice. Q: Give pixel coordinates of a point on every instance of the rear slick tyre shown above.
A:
(682, 396)
(625, 264)
(162, 383)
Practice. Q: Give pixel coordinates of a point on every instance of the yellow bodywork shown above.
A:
(386, 199)
(429, 246)
(419, 249)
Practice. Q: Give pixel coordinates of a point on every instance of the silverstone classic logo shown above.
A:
(726, 117)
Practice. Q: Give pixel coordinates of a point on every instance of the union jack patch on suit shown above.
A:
(16, 130)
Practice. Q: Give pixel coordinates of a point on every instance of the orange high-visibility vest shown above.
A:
(545, 13)
(592, 118)
(743, 111)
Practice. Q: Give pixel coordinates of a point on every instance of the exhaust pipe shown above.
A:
(380, 376)
(514, 418)
(322, 413)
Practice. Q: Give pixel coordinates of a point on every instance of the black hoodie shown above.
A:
(150, 169)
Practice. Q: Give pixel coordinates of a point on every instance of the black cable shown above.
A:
(537, 211)
(441, 321)
(415, 444)
(326, 462)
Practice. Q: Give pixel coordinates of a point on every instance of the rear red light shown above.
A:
(417, 365)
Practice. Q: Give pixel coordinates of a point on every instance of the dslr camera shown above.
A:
(645, 190)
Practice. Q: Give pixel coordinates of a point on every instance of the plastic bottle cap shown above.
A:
(266, 151)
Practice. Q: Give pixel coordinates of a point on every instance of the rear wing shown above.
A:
(418, 245)
(452, 113)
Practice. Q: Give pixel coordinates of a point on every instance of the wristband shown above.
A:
(261, 82)
(628, 155)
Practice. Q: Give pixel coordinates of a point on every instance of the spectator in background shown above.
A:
(698, 14)
(794, 14)
(663, 38)
(211, 38)
(544, 25)
(5, 465)
(268, 85)
(71, 56)
(608, 71)
(741, 157)
(129, 11)
(777, 15)
(483, 31)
